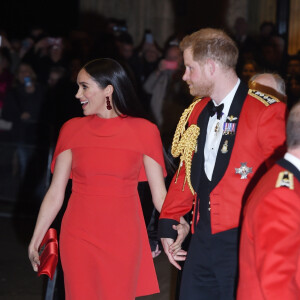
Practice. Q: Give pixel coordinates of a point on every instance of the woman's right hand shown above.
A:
(34, 257)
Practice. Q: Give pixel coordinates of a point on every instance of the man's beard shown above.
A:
(204, 90)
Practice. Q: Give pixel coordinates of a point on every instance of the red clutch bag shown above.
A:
(48, 252)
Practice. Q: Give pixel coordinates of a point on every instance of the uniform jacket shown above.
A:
(270, 239)
(259, 138)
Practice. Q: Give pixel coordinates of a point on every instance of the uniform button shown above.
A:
(191, 222)
(192, 212)
(193, 202)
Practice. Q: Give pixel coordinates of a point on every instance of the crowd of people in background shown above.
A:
(38, 80)
(38, 83)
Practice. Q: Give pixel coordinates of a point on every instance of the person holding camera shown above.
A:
(49, 53)
(158, 81)
(24, 106)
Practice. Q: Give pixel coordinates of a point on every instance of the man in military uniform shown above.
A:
(225, 139)
(270, 239)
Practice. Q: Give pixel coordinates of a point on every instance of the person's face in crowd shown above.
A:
(195, 76)
(91, 96)
(294, 87)
(266, 31)
(24, 71)
(174, 54)
(151, 54)
(53, 79)
(16, 44)
(293, 67)
(56, 49)
(248, 71)
(126, 50)
(240, 26)
(269, 53)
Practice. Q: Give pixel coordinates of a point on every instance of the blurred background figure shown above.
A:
(293, 80)
(159, 80)
(244, 41)
(149, 54)
(50, 52)
(249, 69)
(246, 44)
(145, 60)
(266, 31)
(6, 76)
(293, 66)
(293, 90)
(24, 106)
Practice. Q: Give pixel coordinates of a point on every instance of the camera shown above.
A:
(149, 38)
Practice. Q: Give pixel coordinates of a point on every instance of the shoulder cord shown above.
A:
(185, 143)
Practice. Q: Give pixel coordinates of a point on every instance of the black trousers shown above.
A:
(210, 271)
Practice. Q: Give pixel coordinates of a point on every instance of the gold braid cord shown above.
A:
(185, 143)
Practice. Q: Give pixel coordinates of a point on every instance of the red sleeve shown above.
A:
(271, 132)
(178, 202)
(152, 147)
(179, 199)
(276, 233)
(63, 143)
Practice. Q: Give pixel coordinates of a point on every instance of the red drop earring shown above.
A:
(108, 105)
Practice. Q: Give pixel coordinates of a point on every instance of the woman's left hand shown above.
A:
(156, 252)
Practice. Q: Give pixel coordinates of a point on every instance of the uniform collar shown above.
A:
(228, 99)
(293, 160)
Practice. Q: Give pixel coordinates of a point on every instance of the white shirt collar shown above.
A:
(228, 99)
(293, 160)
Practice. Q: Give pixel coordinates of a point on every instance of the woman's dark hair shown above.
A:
(106, 71)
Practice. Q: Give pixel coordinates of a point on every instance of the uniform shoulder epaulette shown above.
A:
(266, 99)
(285, 179)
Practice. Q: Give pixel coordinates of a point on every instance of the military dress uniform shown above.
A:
(270, 238)
(253, 135)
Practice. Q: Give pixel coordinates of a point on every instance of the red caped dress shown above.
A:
(104, 246)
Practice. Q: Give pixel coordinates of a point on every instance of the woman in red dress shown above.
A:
(104, 247)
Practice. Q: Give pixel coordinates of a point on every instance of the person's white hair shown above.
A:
(279, 83)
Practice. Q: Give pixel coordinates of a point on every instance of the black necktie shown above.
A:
(215, 109)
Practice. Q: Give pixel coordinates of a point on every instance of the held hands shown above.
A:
(173, 249)
(33, 255)
(182, 232)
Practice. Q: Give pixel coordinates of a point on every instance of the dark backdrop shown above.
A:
(53, 15)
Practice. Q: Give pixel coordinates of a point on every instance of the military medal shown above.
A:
(243, 170)
(231, 118)
(224, 149)
(217, 127)
(229, 128)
